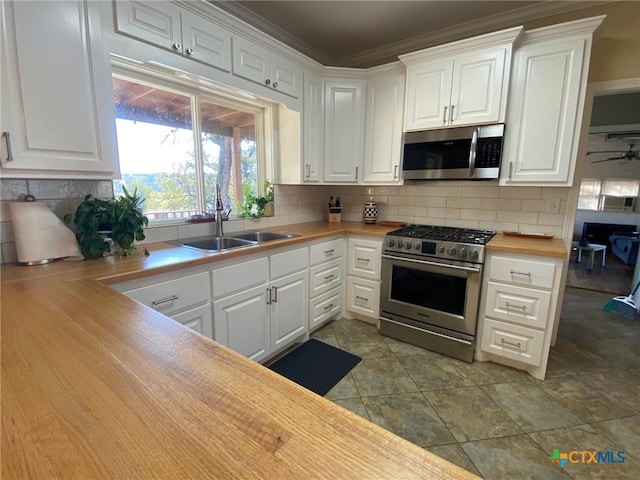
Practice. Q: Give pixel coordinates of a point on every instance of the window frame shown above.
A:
(601, 191)
(200, 89)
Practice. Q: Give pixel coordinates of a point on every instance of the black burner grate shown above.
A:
(452, 234)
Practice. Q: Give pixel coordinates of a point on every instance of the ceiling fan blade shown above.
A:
(607, 151)
(608, 159)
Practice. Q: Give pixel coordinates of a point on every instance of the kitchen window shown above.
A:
(175, 143)
(594, 190)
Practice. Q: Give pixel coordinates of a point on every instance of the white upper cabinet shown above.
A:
(343, 129)
(461, 83)
(383, 124)
(547, 94)
(168, 26)
(57, 99)
(259, 65)
(313, 128)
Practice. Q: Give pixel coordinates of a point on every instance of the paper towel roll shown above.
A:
(40, 235)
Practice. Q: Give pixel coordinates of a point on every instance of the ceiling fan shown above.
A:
(629, 154)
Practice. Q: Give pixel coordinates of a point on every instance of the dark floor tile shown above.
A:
(585, 400)
(623, 386)
(355, 405)
(625, 432)
(485, 373)
(349, 330)
(433, 373)
(470, 414)
(585, 438)
(455, 454)
(568, 359)
(410, 416)
(345, 388)
(530, 407)
(516, 457)
(381, 376)
(367, 349)
(620, 353)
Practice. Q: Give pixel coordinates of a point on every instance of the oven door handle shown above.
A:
(435, 264)
(430, 332)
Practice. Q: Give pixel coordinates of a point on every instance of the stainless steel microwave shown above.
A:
(468, 153)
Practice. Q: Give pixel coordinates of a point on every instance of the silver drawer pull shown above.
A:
(275, 294)
(362, 259)
(329, 277)
(8, 140)
(522, 307)
(362, 298)
(517, 345)
(514, 272)
(328, 307)
(155, 303)
(329, 252)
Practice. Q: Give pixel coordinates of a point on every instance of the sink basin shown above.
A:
(261, 237)
(219, 243)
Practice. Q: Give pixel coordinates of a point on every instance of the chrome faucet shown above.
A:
(221, 216)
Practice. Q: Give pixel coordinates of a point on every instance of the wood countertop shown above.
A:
(553, 247)
(96, 385)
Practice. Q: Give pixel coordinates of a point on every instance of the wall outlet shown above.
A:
(553, 205)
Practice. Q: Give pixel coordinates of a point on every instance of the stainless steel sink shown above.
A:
(261, 237)
(217, 244)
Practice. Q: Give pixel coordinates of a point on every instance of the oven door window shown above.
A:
(441, 292)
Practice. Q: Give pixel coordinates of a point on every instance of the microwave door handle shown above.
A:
(472, 152)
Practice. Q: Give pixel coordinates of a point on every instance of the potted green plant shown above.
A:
(119, 218)
(257, 206)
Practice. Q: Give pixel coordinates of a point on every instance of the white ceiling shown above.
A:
(367, 33)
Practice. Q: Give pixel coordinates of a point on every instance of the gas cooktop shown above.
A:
(451, 234)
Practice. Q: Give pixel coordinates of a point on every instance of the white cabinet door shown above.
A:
(383, 138)
(198, 319)
(289, 309)
(365, 257)
(477, 87)
(363, 296)
(344, 129)
(65, 124)
(242, 323)
(312, 142)
(428, 95)
(206, 41)
(324, 306)
(544, 113)
(154, 22)
(257, 64)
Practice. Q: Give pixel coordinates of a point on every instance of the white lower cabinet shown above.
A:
(518, 310)
(182, 297)
(326, 281)
(261, 306)
(363, 280)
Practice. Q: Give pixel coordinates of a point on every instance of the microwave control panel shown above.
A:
(488, 152)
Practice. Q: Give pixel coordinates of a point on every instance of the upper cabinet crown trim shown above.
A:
(468, 44)
(586, 26)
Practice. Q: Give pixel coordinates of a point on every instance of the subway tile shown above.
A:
(520, 192)
(402, 201)
(160, 234)
(551, 219)
(104, 189)
(13, 189)
(386, 191)
(517, 217)
(6, 232)
(413, 211)
(530, 205)
(9, 254)
(5, 213)
(413, 190)
(190, 230)
(458, 202)
(60, 207)
(481, 192)
(432, 201)
(475, 214)
(52, 189)
(289, 209)
(501, 204)
(500, 226)
(538, 228)
(443, 212)
(446, 191)
(454, 222)
(556, 192)
(255, 223)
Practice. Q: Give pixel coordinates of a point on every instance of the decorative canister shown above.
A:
(370, 212)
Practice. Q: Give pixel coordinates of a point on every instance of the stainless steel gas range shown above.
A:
(431, 277)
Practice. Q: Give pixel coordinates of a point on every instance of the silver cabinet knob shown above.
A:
(177, 46)
(190, 51)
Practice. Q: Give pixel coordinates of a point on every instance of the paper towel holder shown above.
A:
(31, 198)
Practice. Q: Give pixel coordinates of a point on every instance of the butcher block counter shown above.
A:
(547, 247)
(96, 385)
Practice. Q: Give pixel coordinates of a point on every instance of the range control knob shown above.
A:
(400, 243)
(452, 251)
(462, 253)
(441, 249)
(417, 246)
(391, 243)
(408, 246)
(473, 254)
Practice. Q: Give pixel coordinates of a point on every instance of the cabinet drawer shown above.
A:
(522, 272)
(174, 295)
(324, 306)
(289, 262)
(363, 296)
(365, 258)
(512, 341)
(525, 306)
(323, 278)
(325, 251)
(198, 319)
(240, 276)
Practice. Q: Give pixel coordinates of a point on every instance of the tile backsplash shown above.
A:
(451, 203)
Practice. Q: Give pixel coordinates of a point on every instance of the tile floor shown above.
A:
(498, 422)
